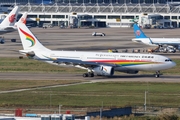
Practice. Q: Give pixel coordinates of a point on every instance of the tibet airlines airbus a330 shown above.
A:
(96, 63)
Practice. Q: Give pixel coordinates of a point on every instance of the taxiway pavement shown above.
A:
(78, 76)
(82, 39)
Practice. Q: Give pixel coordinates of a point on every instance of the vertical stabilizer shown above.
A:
(10, 20)
(138, 32)
(23, 18)
(29, 41)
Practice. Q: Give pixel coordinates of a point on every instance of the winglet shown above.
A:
(11, 18)
(138, 32)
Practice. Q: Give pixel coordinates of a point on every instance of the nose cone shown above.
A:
(170, 65)
(137, 40)
(173, 64)
(134, 40)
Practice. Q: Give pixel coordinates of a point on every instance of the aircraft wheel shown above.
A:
(85, 75)
(91, 74)
(156, 75)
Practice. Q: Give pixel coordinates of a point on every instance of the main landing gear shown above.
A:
(89, 74)
(157, 74)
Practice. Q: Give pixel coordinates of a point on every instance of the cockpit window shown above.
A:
(167, 60)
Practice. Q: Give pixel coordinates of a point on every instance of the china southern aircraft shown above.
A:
(7, 25)
(168, 44)
(96, 63)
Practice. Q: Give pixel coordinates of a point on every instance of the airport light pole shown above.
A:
(15, 3)
(60, 108)
(50, 101)
(101, 109)
(145, 101)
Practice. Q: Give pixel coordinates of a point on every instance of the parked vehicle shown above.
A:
(98, 34)
(47, 25)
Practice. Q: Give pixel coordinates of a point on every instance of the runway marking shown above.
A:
(21, 90)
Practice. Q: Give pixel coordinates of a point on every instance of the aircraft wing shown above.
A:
(9, 29)
(81, 63)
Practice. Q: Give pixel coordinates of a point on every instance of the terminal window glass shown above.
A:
(125, 24)
(156, 17)
(31, 16)
(174, 17)
(58, 16)
(166, 17)
(127, 17)
(99, 17)
(44, 16)
(114, 24)
(84, 17)
(159, 17)
(113, 17)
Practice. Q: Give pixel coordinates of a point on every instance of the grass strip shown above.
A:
(112, 94)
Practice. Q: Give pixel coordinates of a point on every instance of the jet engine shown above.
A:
(2, 41)
(104, 70)
(178, 47)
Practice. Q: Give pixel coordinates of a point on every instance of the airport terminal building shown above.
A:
(100, 13)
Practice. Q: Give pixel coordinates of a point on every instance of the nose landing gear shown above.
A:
(157, 74)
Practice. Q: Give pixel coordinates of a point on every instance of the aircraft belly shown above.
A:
(120, 68)
(149, 67)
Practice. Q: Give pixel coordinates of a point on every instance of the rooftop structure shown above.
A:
(101, 8)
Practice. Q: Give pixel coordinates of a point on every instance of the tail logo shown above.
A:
(29, 37)
(138, 32)
(104, 69)
(12, 18)
(23, 20)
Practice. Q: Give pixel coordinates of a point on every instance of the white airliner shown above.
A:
(7, 25)
(166, 43)
(22, 20)
(96, 63)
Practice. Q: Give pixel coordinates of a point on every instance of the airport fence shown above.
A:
(155, 110)
(136, 110)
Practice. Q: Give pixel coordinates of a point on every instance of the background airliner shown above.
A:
(7, 25)
(22, 20)
(164, 44)
(96, 63)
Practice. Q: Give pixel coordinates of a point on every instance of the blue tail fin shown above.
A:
(138, 32)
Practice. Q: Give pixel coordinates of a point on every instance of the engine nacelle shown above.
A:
(178, 47)
(2, 41)
(104, 70)
(131, 71)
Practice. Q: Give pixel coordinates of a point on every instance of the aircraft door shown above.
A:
(153, 64)
(83, 58)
